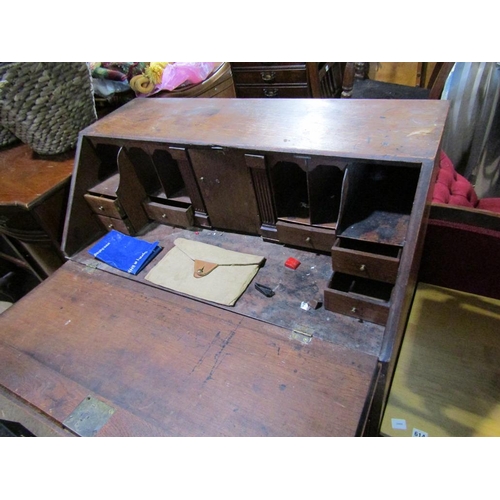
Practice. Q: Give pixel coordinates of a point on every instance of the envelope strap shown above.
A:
(202, 268)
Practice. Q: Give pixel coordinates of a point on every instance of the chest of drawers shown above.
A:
(287, 79)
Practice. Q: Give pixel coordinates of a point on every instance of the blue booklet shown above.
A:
(124, 252)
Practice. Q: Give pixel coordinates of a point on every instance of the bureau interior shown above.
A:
(306, 190)
(377, 200)
(158, 173)
(361, 286)
(243, 191)
(287, 204)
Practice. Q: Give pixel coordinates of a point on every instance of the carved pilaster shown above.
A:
(262, 188)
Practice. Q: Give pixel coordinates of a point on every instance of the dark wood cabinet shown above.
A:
(287, 79)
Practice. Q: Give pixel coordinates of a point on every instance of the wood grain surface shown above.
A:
(171, 366)
(390, 130)
(26, 178)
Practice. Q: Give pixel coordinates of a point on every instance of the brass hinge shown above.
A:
(88, 417)
(303, 335)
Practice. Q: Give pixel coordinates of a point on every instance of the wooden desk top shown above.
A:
(26, 179)
(171, 366)
(447, 380)
(406, 130)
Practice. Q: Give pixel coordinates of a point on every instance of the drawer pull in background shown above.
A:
(270, 92)
(268, 76)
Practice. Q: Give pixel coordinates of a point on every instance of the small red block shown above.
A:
(292, 263)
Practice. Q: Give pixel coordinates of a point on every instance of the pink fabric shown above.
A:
(490, 204)
(451, 188)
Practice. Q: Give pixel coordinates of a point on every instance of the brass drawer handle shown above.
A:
(268, 76)
(362, 267)
(308, 239)
(270, 92)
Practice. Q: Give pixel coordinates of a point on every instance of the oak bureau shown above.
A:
(342, 186)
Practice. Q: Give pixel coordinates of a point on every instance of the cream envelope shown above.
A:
(205, 271)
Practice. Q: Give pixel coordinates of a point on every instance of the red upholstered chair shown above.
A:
(462, 242)
(461, 250)
(451, 188)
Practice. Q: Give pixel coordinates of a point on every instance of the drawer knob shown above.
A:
(308, 239)
(362, 267)
(101, 208)
(354, 309)
(268, 76)
(163, 216)
(111, 226)
(270, 92)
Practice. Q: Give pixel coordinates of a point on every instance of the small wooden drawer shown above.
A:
(272, 91)
(358, 297)
(173, 214)
(102, 205)
(312, 238)
(271, 75)
(122, 225)
(366, 259)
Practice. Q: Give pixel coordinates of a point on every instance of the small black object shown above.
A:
(265, 290)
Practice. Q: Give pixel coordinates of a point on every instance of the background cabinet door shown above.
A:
(227, 189)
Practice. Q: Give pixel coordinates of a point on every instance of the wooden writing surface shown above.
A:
(172, 366)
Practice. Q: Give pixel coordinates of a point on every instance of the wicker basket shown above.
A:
(6, 137)
(45, 105)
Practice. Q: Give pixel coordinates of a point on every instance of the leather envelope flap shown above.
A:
(196, 250)
(225, 273)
